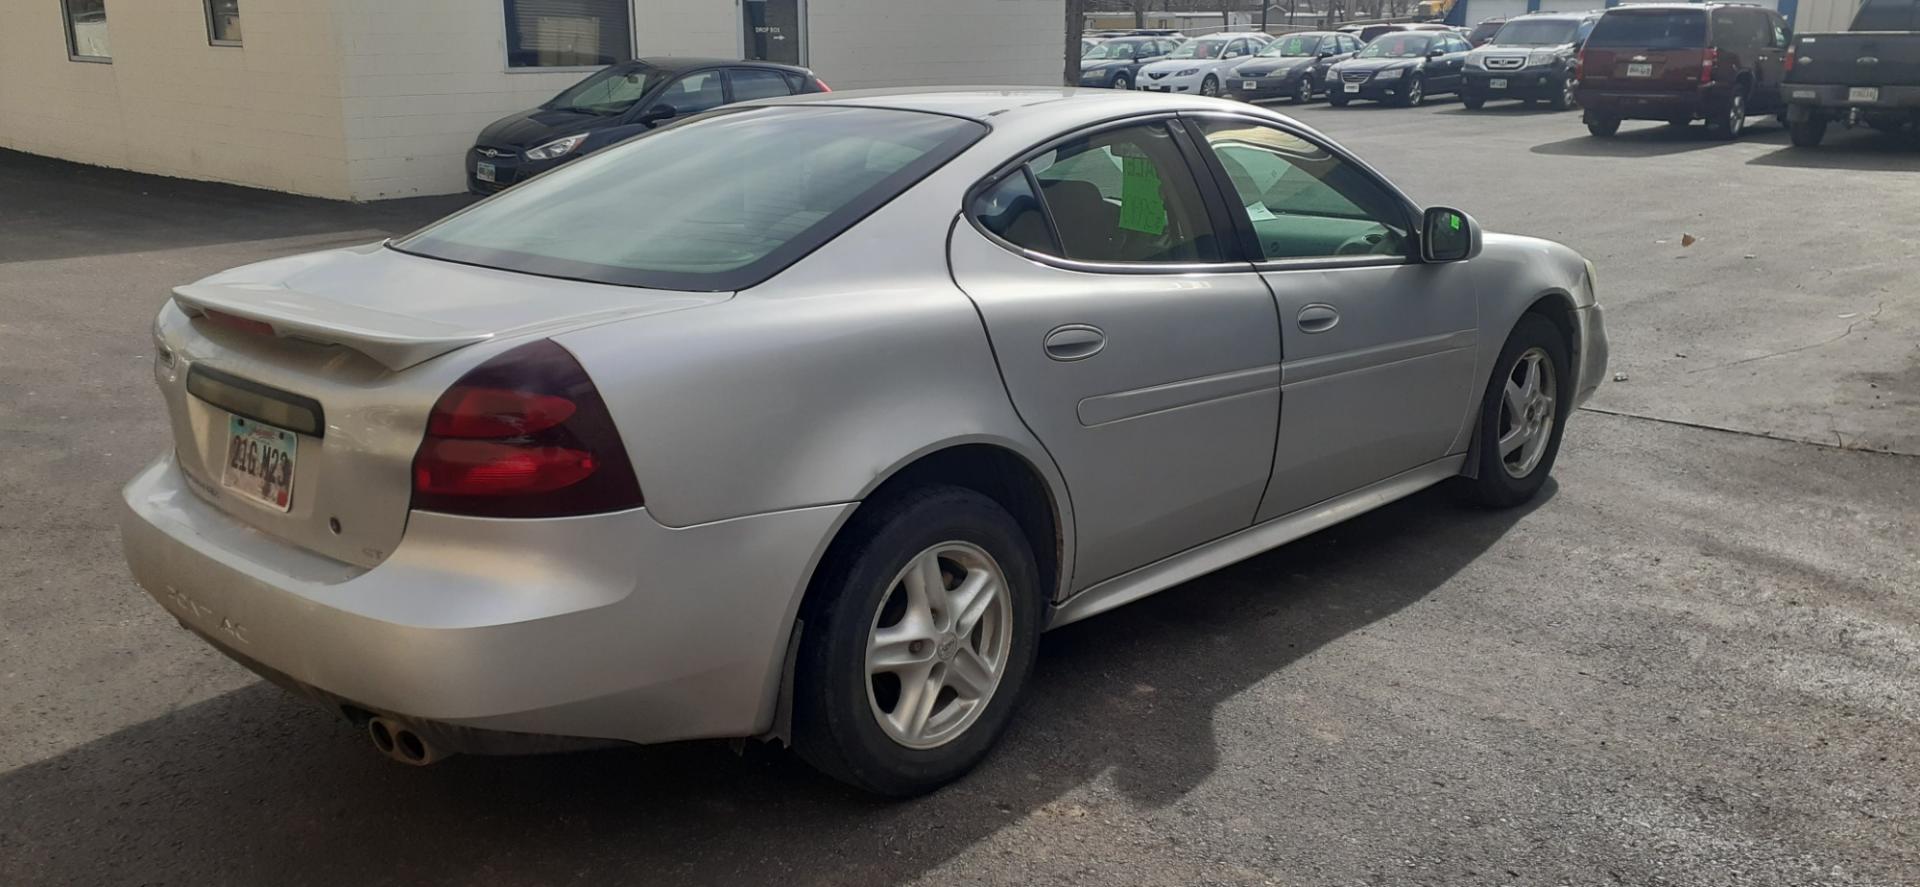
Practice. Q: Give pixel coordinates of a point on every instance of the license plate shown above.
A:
(260, 462)
(1497, 83)
(1863, 93)
(1249, 84)
(1645, 70)
(1805, 94)
(1353, 87)
(483, 171)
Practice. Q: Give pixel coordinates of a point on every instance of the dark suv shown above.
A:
(1679, 63)
(1116, 63)
(1530, 58)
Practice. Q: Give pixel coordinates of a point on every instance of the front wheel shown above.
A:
(1472, 102)
(1303, 91)
(1807, 133)
(1336, 99)
(1415, 94)
(1210, 86)
(916, 641)
(1602, 127)
(1122, 81)
(1523, 414)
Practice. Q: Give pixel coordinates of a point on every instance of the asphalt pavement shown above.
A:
(1694, 661)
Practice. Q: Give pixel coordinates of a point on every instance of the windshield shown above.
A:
(1675, 29)
(1199, 49)
(1536, 33)
(1113, 49)
(1291, 48)
(717, 203)
(1485, 30)
(608, 92)
(1397, 46)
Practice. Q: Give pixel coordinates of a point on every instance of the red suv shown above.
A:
(1679, 63)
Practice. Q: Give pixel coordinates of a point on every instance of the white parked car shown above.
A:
(1200, 65)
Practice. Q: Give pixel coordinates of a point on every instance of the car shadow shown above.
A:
(1654, 139)
(1509, 107)
(254, 787)
(56, 209)
(1860, 149)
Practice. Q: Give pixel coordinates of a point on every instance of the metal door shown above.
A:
(775, 30)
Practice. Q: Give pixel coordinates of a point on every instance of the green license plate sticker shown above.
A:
(1141, 208)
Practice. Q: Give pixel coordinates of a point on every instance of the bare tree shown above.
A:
(1076, 26)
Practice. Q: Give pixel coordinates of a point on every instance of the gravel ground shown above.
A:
(1695, 662)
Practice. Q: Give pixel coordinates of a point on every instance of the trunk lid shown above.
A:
(364, 340)
(1862, 58)
(1646, 50)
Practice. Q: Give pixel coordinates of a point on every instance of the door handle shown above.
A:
(1075, 341)
(1317, 318)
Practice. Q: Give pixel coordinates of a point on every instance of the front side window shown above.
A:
(567, 33)
(223, 22)
(87, 30)
(711, 205)
(1112, 49)
(1291, 48)
(1397, 46)
(1302, 200)
(1125, 195)
(1199, 49)
(607, 93)
(694, 93)
(758, 83)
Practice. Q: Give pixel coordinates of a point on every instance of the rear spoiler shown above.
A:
(395, 340)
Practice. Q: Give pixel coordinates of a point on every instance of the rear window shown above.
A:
(1666, 29)
(1888, 15)
(720, 203)
(1536, 32)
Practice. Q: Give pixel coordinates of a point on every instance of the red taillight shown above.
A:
(236, 322)
(525, 434)
(1787, 63)
(1706, 64)
(1580, 63)
(822, 84)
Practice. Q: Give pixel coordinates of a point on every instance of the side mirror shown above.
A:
(1448, 235)
(658, 112)
(1435, 53)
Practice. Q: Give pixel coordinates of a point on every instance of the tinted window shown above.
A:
(715, 204)
(1011, 210)
(566, 33)
(694, 93)
(1199, 49)
(758, 83)
(1397, 46)
(1665, 29)
(1125, 195)
(1535, 32)
(1302, 200)
(1888, 15)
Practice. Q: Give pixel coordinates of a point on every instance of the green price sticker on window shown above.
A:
(1453, 219)
(1141, 207)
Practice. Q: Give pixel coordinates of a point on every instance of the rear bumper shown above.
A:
(1521, 83)
(1892, 98)
(607, 626)
(1651, 104)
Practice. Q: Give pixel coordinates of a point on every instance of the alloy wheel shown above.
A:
(1415, 92)
(1736, 115)
(939, 645)
(1210, 86)
(1304, 92)
(1527, 412)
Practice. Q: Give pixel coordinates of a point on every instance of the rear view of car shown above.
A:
(1681, 63)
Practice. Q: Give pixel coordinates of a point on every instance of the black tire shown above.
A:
(1807, 133)
(1210, 86)
(1729, 122)
(1303, 91)
(1414, 94)
(1472, 102)
(1337, 99)
(1122, 81)
(834, 725)
(1563, 100)
(1602, 127)
(1496, 487)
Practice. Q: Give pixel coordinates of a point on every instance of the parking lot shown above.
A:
(1696, 661)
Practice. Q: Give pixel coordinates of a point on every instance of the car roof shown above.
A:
(687, 62)
(1055, 108)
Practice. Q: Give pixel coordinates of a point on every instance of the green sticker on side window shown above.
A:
(1454, 220)
(1141, 208)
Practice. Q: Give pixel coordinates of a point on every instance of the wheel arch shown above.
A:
(1556, 306)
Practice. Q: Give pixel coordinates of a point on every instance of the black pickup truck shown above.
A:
(1869, 73)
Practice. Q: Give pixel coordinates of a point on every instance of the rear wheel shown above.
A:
(917, 641)
(1523, 413)
(1732, 120)
(1601, 126)
(1210, 86)
(1472, 102)
(1807, 133)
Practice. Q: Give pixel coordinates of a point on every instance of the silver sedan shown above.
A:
(803, 420)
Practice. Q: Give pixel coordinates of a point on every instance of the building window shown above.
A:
(87, 30)
(567, 33)
(223, 22)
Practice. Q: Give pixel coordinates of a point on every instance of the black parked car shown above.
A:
(1115, 63)
(1401, 67)
(616, 103)
(1532, 57)
(1293, 66)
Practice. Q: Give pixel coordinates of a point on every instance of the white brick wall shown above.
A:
(266, 113)
(867, 43)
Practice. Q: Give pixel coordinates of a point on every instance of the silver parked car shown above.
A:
(804, 419)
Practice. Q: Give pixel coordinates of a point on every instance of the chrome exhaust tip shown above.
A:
(397, 741)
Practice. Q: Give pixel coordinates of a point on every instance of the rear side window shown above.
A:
(1666, 29)
(758, 83)
(720, 203)
(1123, 195)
